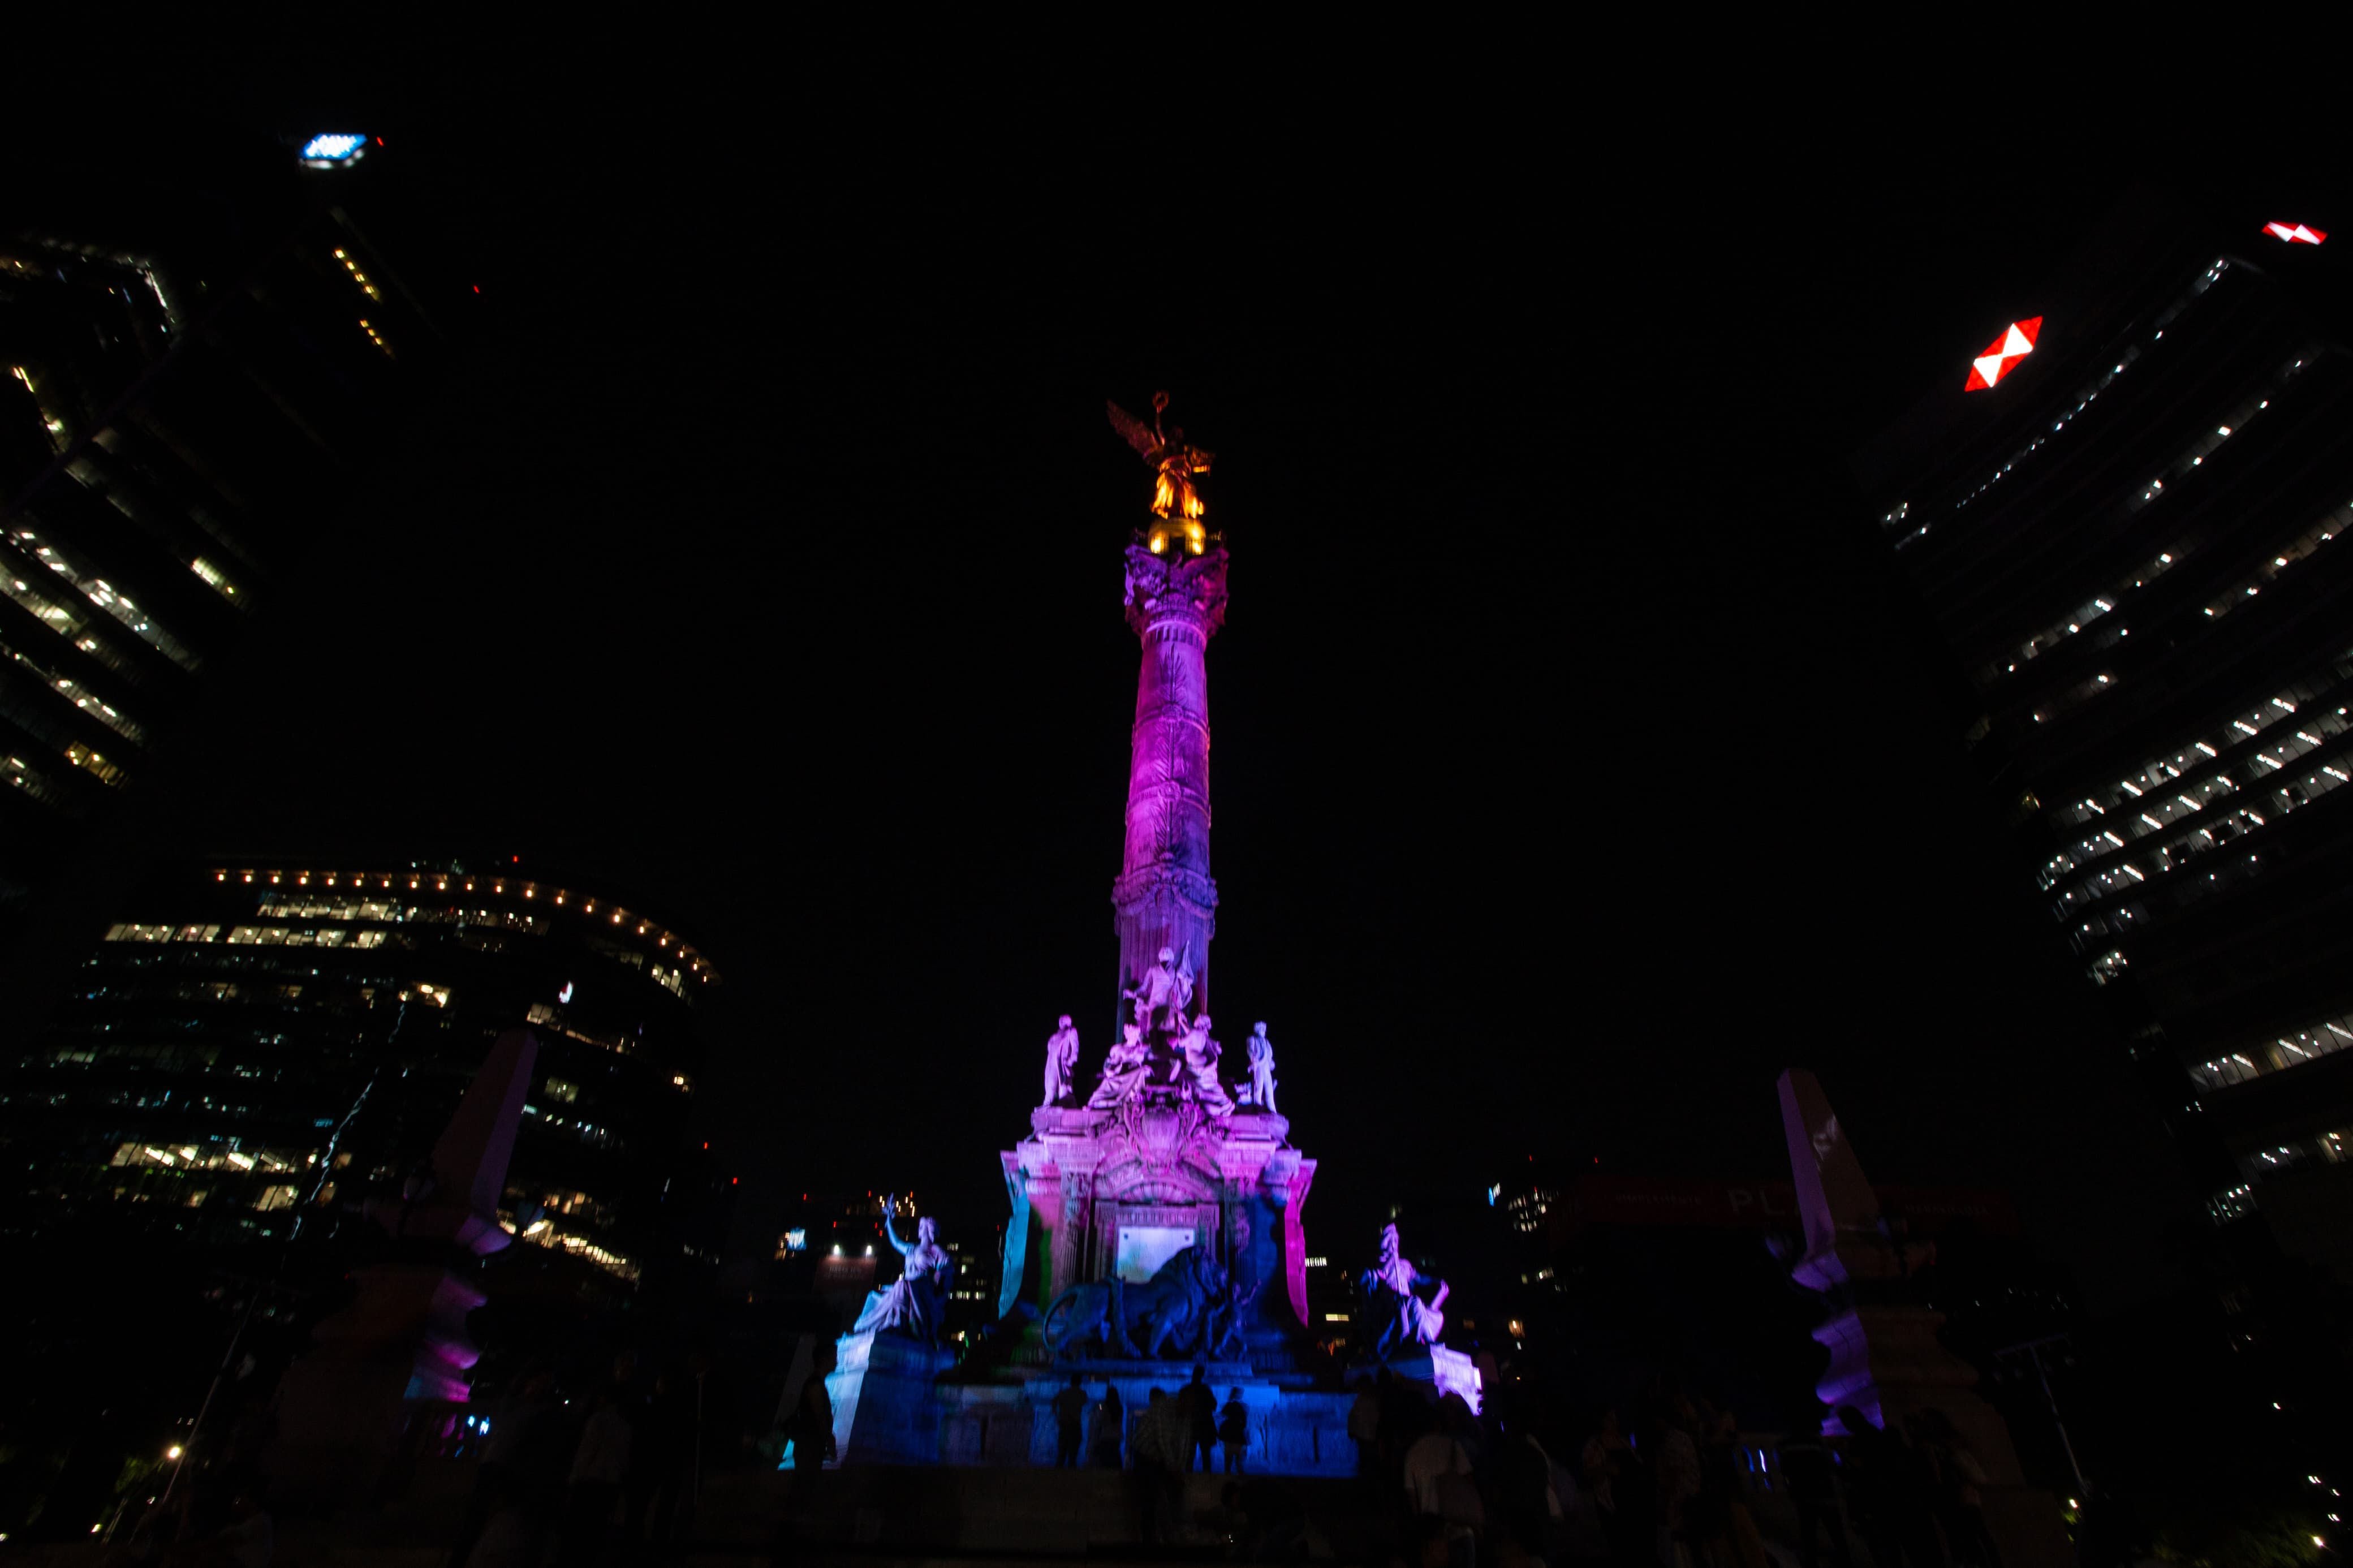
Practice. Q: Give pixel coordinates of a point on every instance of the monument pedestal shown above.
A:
(886, 1409)
(891, 1404)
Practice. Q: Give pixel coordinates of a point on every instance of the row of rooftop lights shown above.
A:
(359, 881)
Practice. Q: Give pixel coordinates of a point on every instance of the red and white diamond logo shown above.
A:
(2002, 354)
(2296, 232)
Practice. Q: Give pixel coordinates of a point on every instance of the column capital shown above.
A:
(1176, 590)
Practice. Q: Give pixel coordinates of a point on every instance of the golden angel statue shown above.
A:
(1177, 463)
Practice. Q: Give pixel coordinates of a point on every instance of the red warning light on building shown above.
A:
(2296, 232)
(2002, 354)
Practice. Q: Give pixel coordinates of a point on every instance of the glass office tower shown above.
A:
(2125, 520)
(186, 396)
(256, 1043)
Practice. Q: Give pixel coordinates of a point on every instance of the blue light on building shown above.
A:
(333, 151)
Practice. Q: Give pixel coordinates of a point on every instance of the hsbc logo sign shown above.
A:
(2002, 354)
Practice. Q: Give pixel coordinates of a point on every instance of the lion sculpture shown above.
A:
(1170, 1310)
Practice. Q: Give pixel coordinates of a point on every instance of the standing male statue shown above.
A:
(1259, 1091)
(1061, 1061)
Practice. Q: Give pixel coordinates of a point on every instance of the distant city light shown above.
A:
(2001, 355)
(333, 151)
(2296, 232)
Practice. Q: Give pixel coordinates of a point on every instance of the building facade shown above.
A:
(257, 1044)
(2124, 523)
(183, 406)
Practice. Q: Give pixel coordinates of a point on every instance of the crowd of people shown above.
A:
(1675, 1488)
(611, 1477)
(1678, 1489)
(609, 1480)
(1171, 1437)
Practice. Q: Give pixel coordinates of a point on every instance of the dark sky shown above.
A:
(1577, 766)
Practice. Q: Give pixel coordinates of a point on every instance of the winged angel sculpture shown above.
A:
(1175, 463)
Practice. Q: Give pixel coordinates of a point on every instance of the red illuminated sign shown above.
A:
(2296, 232)
(2002, 354)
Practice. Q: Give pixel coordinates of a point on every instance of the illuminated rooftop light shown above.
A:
(335, 150)
(2296, 232)
(2001, 355)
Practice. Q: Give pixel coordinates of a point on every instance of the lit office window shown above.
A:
(99, 592)
(216, 577)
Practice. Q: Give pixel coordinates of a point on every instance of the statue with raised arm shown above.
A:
(1124, 1070)
(917, 1304)
(1061, 1061)
(1393, 1299)
(1259, 1089)
(1164, 992)
(1198, 1064)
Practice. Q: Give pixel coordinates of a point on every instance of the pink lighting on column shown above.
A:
(1164, 896)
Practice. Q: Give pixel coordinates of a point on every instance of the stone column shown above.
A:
(1165, 897)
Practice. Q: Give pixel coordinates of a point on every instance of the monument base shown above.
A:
(891, 1404)
(1295, 1429)
(941, 1512)
(885, 1410)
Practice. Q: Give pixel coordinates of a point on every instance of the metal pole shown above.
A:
(302, 1212)
(2083, 1488)
(694, 1499)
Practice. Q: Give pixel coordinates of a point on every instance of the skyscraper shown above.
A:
(2124, 521)
(184, 400)
(256, 1040)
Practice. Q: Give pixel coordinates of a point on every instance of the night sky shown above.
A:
(1579, 766)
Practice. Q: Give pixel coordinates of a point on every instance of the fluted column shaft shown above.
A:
(1164, 896)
